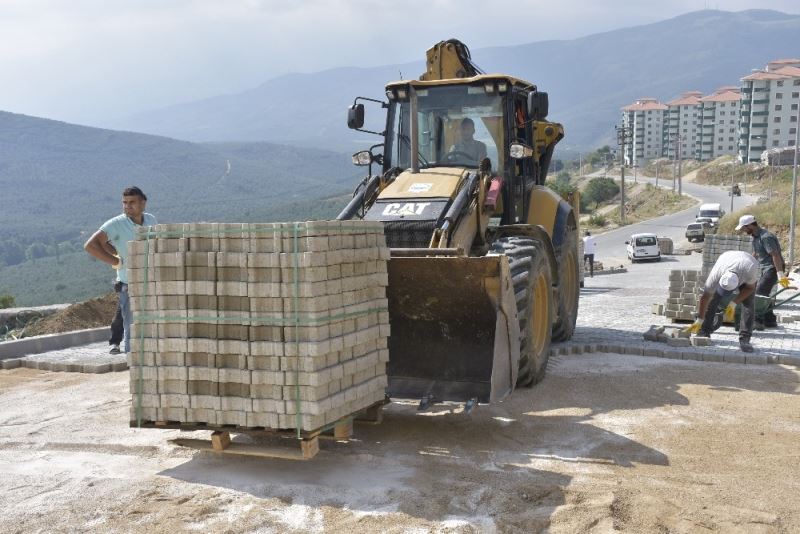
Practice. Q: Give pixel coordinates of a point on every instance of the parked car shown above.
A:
(696, 232)
(709, 226)
(643, 246)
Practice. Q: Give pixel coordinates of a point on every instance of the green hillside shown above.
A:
(60, 181)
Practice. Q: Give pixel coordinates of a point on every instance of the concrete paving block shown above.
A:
(145, 413)
(635, 350)
(733, 356)
(267, 378)
(205, 402)
(657, 309)
(785, 319)
(236, 404)
(789, 359)
(673, 354)
(172, 414)
(755, 359)
(97, 368)
(700, 341)
(11, 363)
(201, 415)
(262, 419)
(678, 342)
(202, 387)
(175, 401)
(173, 373)
(231, 418)
(655, 352)
(266, 391)
(713, 356)
(693, 355)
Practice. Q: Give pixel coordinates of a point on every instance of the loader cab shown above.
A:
(502, 112)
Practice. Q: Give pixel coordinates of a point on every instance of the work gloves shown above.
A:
(694, 328)
(783, 280)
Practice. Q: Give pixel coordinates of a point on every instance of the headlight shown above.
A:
(519, 151)
(362, 158)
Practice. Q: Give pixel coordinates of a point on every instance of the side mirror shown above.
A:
(355, 116)
(538, 105)
(627, 242)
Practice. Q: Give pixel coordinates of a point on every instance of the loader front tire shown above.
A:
(530, 272)
(568, 289)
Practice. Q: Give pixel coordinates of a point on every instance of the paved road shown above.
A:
(611, 244)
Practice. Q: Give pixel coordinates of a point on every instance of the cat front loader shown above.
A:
(483, 271)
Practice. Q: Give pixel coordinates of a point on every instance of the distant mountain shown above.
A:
(589, 79)
(59, 181)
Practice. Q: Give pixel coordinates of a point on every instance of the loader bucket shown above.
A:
(454, 329)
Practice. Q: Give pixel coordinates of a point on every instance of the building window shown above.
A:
(719, 148)
(730, 147)
(794, 107)
(730, 139)
(778, 96)
(778, 107)
(796, 82)
(776, 131)
(732, 130)
(792, 131)
(776, 143)
(776, 119)
(722, 113)
(721, 139)
(780, 83)
(795, 95)
(791, 142)
(793, 118)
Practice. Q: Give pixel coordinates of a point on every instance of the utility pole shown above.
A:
(680, 180)
(623, 136)
(733, 166)
(658, 163)
(792, 219)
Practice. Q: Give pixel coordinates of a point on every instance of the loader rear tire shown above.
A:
(530, 272)
(568, 289)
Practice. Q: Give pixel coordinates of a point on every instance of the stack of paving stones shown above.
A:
(281, 326)
(684, 289)
(665, 245)
(715, 245)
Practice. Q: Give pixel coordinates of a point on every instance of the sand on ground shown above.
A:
(606, 442)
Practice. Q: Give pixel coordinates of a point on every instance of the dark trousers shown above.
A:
(117, 329)
(745, 322)
(589, 257)
(769, 277)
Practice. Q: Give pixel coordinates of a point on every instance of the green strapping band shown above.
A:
(295, 311)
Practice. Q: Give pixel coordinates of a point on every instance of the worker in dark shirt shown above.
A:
(767, 250)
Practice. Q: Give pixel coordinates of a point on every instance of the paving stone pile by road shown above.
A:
(616, 310)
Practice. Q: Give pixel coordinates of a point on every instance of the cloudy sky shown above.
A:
(87, 61)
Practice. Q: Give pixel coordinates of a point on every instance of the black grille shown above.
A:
(408, 234)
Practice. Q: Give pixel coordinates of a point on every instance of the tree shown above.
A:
(563, 177)
(6, 301)
(599, 190)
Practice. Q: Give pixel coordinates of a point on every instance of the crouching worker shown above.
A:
(733, 270)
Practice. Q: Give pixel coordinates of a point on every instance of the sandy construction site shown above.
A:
(606, 442)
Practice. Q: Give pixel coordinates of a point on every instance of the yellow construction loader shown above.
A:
(484, 269)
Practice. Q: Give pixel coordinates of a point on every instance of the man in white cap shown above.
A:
(767, 251)
(733, 270)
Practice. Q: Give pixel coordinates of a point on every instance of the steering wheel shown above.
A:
(451, 156)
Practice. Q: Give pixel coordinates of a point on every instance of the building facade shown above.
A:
(681, 136)
(644, 119)
(769, 107)
(719, 124)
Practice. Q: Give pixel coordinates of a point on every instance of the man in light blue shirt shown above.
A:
(113, 237)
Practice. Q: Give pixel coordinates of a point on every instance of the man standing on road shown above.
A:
(767, 251)
(733, 269)
(116, 232)
(588, 252)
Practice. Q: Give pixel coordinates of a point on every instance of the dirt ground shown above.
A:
(604, 443)
(92, 313)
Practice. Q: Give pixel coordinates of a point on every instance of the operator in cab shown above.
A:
(468, 147)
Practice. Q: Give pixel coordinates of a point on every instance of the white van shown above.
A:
(643, 247)
(710, 211)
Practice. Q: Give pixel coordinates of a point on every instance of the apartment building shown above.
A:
(644, 119)
(769, 107)
(681, 136)
(719, 124)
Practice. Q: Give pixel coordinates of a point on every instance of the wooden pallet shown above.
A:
(341, 430)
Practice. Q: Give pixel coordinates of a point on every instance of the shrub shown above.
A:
(597, 219)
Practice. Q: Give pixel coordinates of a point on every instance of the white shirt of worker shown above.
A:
(743, 264)
(589, 244)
